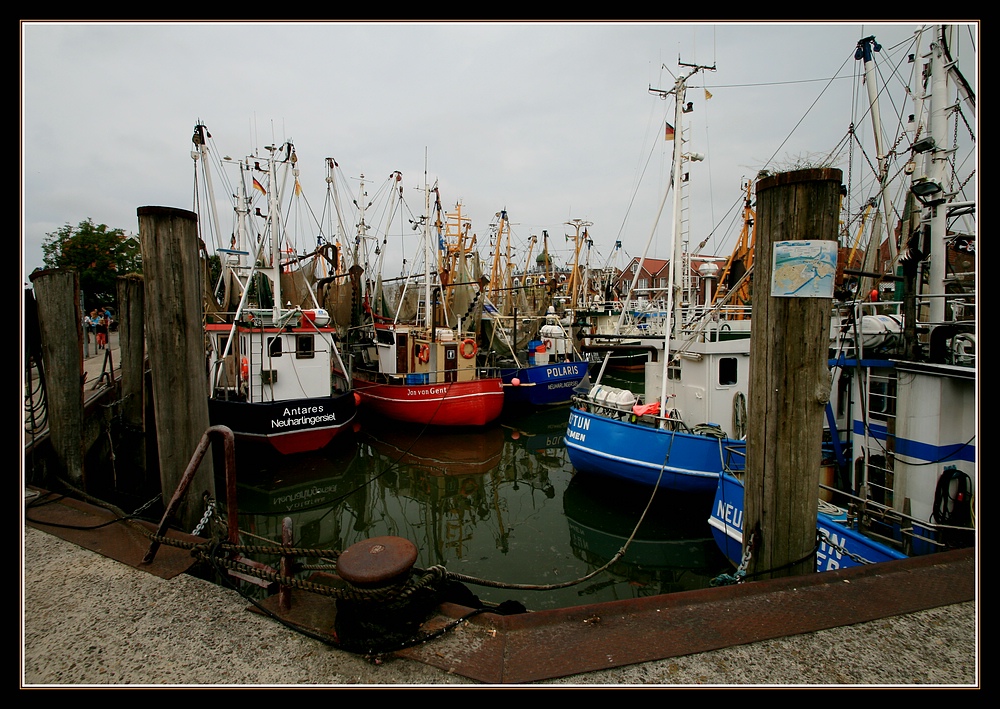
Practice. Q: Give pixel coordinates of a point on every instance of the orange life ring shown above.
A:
(244, 369)
(468, 348)
(424, 353)
(548, 345)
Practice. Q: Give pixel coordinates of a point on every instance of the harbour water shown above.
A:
(500, 504)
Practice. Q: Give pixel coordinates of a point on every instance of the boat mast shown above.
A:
(937, 172)
(199, 138)
(674, 281)
(864, 51)
(427, 251)
(273, 270)
(574, 278)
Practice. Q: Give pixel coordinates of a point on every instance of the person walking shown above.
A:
(102, 331)
(90, 325)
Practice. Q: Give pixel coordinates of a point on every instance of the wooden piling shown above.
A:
(789, 377)
(57, 294)
(132, 363)
(173, 318)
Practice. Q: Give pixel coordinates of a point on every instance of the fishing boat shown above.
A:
(273, 366)
(424, 369)
(525, 337)
(687, 424)
(900, 472)
(547, 371)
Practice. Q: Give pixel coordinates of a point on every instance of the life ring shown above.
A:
(468, 348)
(548, 345)
(244, 369)
(424, 353)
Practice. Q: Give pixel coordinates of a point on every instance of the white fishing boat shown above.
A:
(900, 473)
(273, 366)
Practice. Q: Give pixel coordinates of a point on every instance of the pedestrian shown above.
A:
(90, 325)
(102, 331)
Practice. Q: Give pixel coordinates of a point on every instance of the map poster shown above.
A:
(803, 269)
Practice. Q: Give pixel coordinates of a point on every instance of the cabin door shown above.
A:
(402, 353)
(450, 361)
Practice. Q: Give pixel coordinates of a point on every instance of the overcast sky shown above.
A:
(552, 122)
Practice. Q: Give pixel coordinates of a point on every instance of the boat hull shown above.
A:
(291, 426)
(848, 548)
(647, 455)
(543, 384)
(473, 403)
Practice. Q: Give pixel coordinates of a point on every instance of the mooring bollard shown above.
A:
(380, 618)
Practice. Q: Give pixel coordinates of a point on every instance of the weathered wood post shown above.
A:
(795, 265)
(132, 362)
(173, 317)
(60, 324)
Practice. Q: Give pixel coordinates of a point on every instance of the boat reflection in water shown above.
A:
(498, 503)
(670, 551)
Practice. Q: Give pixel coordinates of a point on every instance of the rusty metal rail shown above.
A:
(228, 439)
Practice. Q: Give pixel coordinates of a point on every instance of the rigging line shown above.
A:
(752, 85)
(811, 106)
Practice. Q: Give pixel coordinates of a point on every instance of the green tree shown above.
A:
(98, 253)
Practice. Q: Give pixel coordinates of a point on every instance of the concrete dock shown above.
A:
(89, 620)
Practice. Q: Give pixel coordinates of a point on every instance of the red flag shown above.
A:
(258, 186)
(669, 133)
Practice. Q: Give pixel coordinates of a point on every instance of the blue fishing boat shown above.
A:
(687, 424)
(553, 369)
(841, 543)
(522, 333)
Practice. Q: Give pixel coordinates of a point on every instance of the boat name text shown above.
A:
(424, 392)
(300, 416)
(578, 425)
(731, 515)
(566, 370)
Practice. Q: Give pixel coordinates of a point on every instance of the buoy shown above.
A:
(357, 399)
(515, 382)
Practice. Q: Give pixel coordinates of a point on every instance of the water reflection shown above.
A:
(500, 504)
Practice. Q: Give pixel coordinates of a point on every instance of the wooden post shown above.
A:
(173, 318)
(789, 374)
(61, 330)
(132, 362)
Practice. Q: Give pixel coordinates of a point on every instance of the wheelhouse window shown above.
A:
(274, 346)
(221, 346)
(727, 371)
(305, 347)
